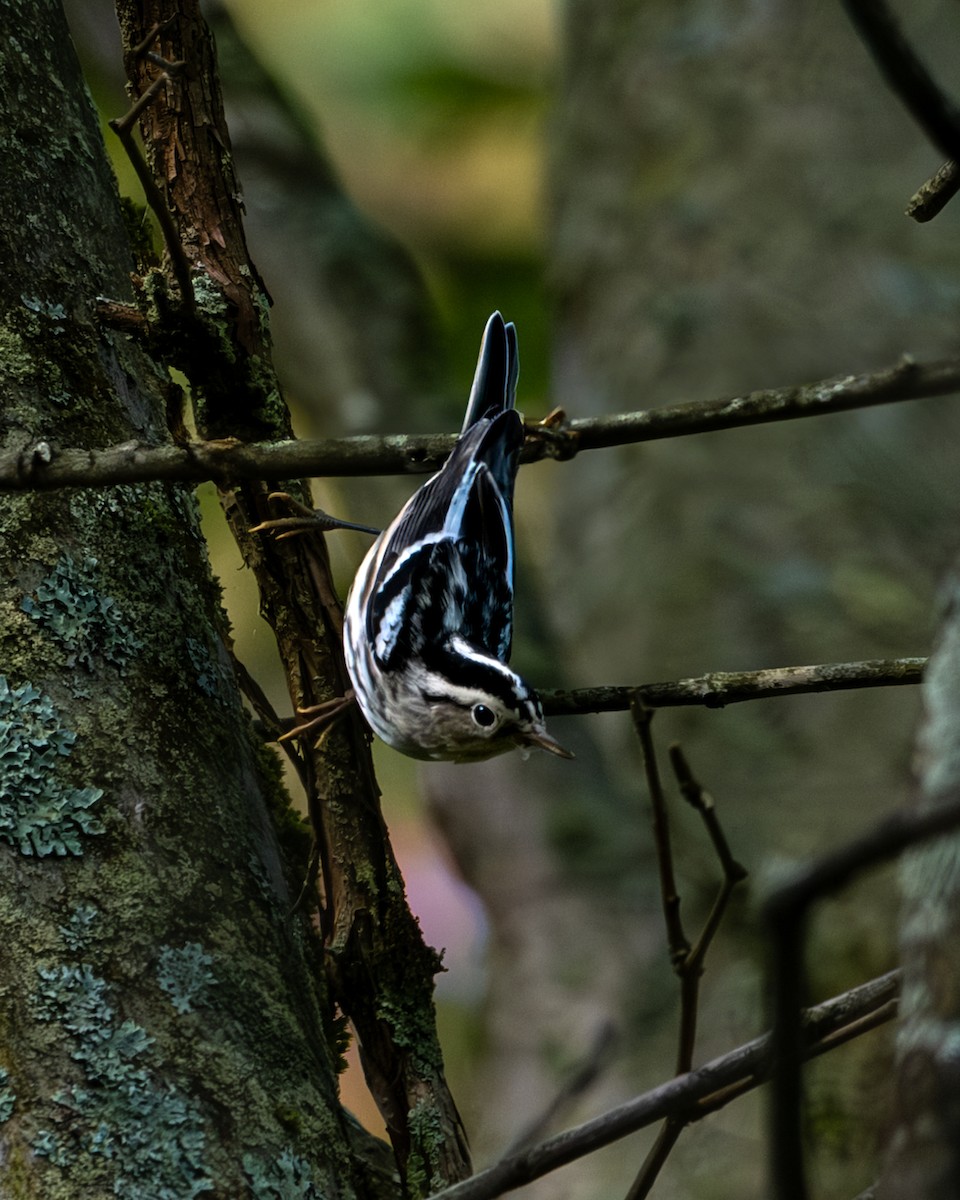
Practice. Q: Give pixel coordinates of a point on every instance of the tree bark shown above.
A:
(923, 1156)
(165, 1024)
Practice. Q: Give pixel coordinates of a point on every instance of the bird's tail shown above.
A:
(498, 367)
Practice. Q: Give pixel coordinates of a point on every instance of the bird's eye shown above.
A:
(485, 717)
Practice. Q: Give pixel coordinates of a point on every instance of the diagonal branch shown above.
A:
(41, 464)
(906, 76)
(910, 80)
(677, 942)
(691, 1096)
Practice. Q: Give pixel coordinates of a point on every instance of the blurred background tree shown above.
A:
(673, 202)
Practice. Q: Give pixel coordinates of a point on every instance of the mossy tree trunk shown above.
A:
(165, 1028)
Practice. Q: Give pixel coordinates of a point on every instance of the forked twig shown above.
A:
(670, 899)
(733, 871)
(687, 960)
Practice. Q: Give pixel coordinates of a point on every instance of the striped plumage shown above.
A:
(428, 623)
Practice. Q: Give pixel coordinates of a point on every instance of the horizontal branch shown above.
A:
(688, 1096)
(731, 687)
(715, 690)
(41, 464)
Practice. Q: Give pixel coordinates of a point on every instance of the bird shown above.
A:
(428, 623)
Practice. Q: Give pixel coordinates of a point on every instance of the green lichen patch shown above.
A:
(76, 933)
(124, 1121)
(427, 1135)
(87, 623)
(38, 813)
(286, 1177)
(209, 676)
(184, 974)
(54, 312)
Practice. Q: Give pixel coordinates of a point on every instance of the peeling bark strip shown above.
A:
(218, 334)
(380, 971)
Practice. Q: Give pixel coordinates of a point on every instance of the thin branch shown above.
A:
(402, 454)
(786, 914)
(733, 687)
(269, 724)
(154, 196)
(733, 872)
(906, 76)
(670, 900)
(930, 108)
(690, 1096)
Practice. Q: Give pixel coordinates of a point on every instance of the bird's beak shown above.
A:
(543, 740)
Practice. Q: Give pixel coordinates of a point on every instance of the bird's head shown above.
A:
(473, 707)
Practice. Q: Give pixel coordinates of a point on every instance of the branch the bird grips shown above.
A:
(429, 619)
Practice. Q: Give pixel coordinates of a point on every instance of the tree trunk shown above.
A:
(923, 1159)
(165, 1025)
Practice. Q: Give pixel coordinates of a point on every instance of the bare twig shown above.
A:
(910, 80)
(677, 944)
(690, 1096)
(676, 939)
(733, 687)
(786, 913)
(688, 963)
(695, 794)
(269, 725)
(733, 873)
(399, 454)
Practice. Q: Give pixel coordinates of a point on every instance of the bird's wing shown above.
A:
(452, 547)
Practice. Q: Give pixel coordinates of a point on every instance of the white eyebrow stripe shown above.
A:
(463, 648)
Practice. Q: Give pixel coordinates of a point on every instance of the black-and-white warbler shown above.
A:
(428, 623)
